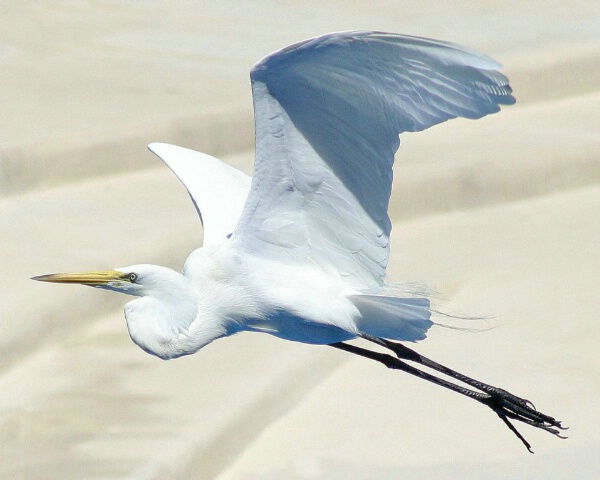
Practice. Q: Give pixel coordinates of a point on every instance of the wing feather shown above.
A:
(217, 189)
(328, 112)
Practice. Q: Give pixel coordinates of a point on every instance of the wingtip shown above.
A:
(155, 146)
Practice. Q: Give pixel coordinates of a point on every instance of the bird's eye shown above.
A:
(133, 277)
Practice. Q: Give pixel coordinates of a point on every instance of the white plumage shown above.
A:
(301, 251)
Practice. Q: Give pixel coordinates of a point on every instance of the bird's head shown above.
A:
(160, 319)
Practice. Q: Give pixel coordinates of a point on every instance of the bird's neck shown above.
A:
(156, 321)
(178, 314)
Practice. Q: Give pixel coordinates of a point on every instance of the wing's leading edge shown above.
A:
(217, 189)
(328, 112)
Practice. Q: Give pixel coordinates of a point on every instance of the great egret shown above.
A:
(301, 251)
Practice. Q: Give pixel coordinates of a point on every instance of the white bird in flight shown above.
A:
(300, 250)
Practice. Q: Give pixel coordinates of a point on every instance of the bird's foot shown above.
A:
(510, 407)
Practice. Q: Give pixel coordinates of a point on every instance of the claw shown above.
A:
(516, 432)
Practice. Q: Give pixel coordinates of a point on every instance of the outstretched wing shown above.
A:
(328, 112)
(217, 190)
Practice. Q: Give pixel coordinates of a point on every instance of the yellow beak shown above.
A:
(88, 278)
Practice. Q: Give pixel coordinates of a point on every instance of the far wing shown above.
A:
(328, 112)
(217, 190)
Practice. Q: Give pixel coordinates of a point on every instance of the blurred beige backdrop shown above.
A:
(499, 215)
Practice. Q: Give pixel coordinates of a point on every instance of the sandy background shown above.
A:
(499, 215)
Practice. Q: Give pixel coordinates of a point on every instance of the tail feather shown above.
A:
(394, 318)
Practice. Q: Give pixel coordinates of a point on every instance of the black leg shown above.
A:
(406, 353)
(397, 364)
(506, 405)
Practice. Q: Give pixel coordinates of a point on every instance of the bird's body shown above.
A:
(178, 314)
(300, 251)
